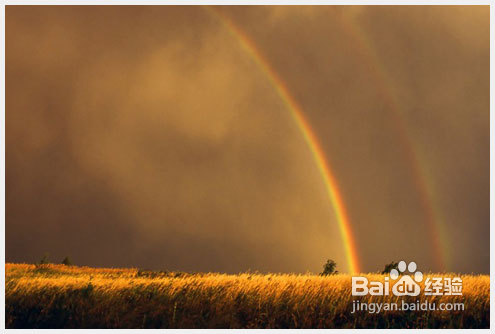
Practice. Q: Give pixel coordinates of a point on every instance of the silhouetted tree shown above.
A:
(388, 267)
(329, 268)
(67, 261)
(44, 259)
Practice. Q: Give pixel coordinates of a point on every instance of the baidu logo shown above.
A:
(406, 285)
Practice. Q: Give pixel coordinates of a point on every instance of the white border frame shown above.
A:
(239, 2)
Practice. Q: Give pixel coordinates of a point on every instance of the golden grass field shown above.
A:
(59, 296)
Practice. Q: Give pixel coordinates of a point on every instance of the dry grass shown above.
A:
(58, 296)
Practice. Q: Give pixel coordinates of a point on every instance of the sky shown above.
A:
(150, 137)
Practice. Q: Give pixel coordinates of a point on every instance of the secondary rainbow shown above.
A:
(310, 138)
(377, 69)
(422, 181)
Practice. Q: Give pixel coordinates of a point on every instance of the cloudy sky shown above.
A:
(150, 137)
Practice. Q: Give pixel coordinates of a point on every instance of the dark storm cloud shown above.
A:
(146, 136)
(436, 59)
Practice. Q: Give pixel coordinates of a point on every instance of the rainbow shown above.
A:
(433, 219)
(310, 138)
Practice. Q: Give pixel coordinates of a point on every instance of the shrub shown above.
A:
(329, 268)
(388, 267)
(67, 261)
(44, 259)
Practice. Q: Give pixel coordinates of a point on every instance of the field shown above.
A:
(58, 296)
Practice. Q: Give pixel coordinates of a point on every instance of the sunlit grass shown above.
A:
(56, 296)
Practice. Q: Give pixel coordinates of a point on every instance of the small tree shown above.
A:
(329, 268)
(44, 259)
(388, 267)
(67, 261)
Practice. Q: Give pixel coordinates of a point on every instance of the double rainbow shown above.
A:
(422, 180)
(378, 71)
